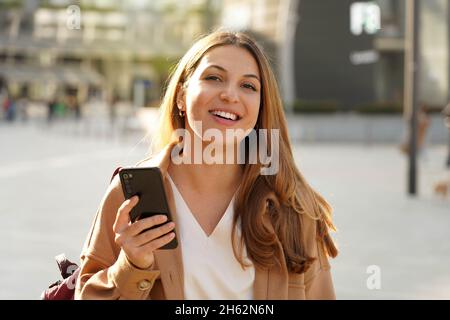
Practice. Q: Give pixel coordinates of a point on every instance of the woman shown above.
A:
(243, 233)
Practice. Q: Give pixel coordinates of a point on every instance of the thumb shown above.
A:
(123, 214)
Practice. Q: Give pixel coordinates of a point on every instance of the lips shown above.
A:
(225, 114)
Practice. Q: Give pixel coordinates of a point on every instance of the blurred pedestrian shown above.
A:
(51, 108)
(9, 107)
(113, 111)
(446, 114)
(3, 96)
(442, 187)
(22, 108)
(269, 234)
(423, 123)
(74, 106)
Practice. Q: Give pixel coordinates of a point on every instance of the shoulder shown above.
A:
(114, 196)
(147, 162)
(100, 244)
(114, 193)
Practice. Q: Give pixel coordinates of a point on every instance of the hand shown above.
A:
(138, 246)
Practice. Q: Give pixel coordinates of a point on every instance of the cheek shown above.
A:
(197, 96)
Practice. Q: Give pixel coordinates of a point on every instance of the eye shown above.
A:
(249, 86)
(214, 78)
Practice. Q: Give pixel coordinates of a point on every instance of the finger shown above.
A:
(153, 234)
(160, 242)
(123, 214)
(140, 225)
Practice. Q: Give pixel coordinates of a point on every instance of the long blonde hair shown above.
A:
(283, 197)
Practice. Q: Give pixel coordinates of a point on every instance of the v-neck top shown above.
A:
(211, 270)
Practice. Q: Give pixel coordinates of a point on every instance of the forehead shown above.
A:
(231, 58)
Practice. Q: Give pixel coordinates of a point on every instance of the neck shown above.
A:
(205, 176)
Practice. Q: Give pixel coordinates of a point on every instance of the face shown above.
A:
(224, 92)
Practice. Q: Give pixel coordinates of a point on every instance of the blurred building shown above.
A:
(272, 23)
(327, 54)
(363, 66)
(320, 51)
(94, 47)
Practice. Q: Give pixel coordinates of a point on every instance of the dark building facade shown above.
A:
(323, 46)
(334, 63)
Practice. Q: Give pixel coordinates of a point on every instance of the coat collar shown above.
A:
(269, 283)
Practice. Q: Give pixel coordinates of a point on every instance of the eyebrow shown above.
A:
(223, 69)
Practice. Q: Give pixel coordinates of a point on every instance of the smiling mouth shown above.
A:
(225, 115)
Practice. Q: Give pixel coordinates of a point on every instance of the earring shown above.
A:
(181, 113)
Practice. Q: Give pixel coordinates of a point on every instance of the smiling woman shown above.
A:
(242, 234)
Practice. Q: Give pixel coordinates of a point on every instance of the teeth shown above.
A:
(224, 114)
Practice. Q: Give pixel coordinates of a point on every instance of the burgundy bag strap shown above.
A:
(66, 267)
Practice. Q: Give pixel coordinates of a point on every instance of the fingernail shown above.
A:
(163, 218)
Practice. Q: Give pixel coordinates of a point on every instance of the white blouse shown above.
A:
(211, 271)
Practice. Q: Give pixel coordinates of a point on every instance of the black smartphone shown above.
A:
(147, 184)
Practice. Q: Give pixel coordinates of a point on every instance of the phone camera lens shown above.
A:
(125, 176)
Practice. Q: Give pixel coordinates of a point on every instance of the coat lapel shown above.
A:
(170, 262)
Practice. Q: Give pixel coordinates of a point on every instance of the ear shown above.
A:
(180, 97)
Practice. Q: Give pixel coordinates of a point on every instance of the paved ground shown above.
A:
(53, 180)
(407, 238)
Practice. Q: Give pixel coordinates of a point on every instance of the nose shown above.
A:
(229, 94)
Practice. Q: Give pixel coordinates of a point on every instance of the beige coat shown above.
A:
(107, 274)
